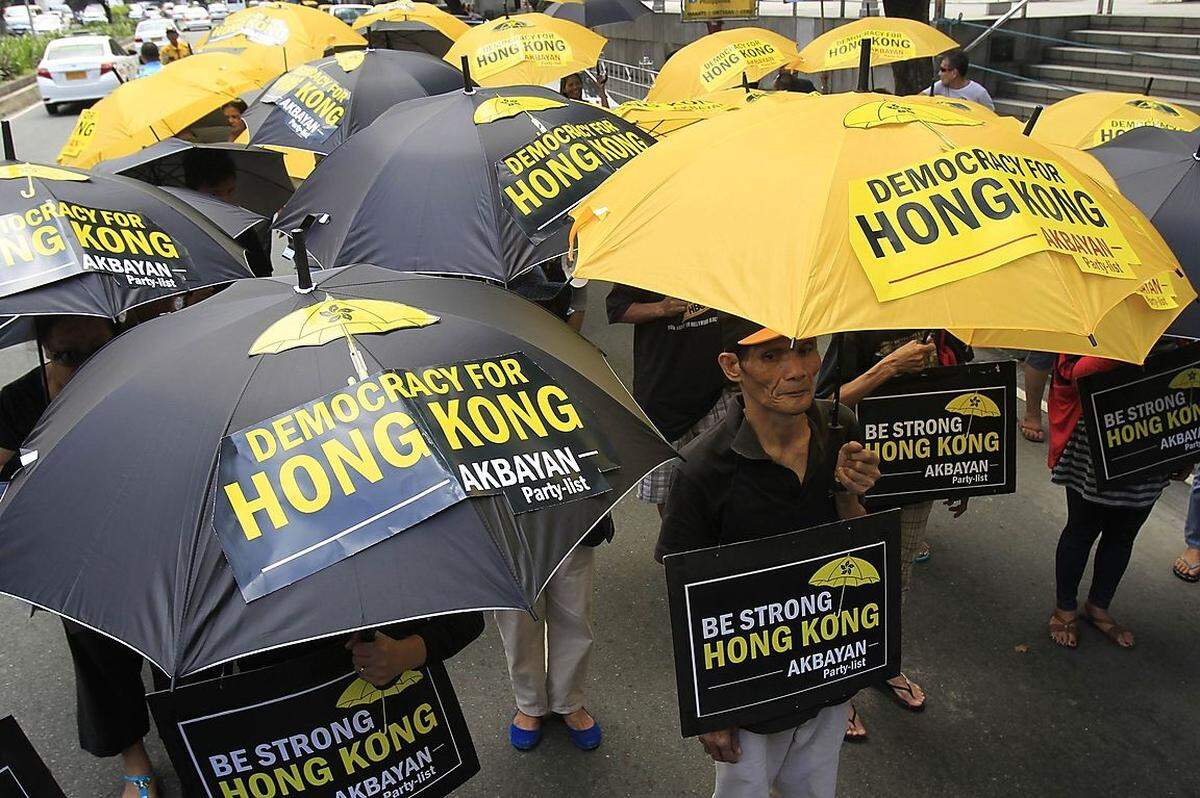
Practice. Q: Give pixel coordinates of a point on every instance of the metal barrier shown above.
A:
(627, 81)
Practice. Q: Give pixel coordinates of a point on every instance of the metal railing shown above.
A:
(627, 81)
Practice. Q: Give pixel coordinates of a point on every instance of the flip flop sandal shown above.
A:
(1109, 629)
(1031, 433)
(923, 555)
(1059, 626)
(907, 687)
(852, 720)
(141, 782)
(1188, 573)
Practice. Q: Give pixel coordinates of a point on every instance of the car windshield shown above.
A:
(64, 48)
(16, 11)
(153, 29)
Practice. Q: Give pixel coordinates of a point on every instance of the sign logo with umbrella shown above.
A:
(320, 323)
(360, 692)
(973, 404)
(845, 572)
(1188, 378)
(893, 112)
(508, 107)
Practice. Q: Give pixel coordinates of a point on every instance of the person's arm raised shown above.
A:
(908, 359)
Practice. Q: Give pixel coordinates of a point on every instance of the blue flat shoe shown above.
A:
(586, 739)
(523, 739)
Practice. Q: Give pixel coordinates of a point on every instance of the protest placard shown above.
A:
(23, 774)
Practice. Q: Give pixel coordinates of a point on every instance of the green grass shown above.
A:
(19, 55)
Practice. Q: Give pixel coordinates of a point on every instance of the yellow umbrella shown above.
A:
(914, 217)
(845, 572)
(274, 37)
(718, 60)
(414, 11)
(150, 109)
(1092, 118)
(892, 39)
(973, 404)
(318, 324)
(527, 49)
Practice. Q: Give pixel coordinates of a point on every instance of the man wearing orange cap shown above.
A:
(775, 464)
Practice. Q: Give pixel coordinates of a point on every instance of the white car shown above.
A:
(152, 30)
(49, 23)
(178, 12)
(137, 11)
(218, 11)
(196, 18)
(79, 68)
(93, 13)
(19, 19)
(153, 12)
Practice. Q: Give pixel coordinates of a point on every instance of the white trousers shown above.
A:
(795, 763)
(548, 658)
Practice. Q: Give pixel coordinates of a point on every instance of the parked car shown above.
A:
(178, 12)
(153, 12)
(82, 67)
(19, 19)
(49, 23)
(348, 13)
(92, 14)
(218, 11)
(152, 30)
(195, 18)
(137, 11)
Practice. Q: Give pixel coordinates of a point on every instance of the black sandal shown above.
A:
(851, 721)
(907, 687)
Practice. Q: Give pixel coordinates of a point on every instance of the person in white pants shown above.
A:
(548, 657)
(798, 763)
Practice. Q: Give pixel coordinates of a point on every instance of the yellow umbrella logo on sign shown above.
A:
(505, 107)
(361, 692)
(1188, 378)
(973, 404)
(845, 572)
(318, 324)
(892, 112)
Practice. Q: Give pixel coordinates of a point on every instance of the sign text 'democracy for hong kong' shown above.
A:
(315, 102)
(299, 492)
(779, 625)
(312, 728)
(944, 433)
(970, 210)
(543, 180)
(506, 426)
(1144, 419)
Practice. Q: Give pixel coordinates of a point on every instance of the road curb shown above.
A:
(20, 99)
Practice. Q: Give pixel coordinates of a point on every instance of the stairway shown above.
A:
(1166, 49)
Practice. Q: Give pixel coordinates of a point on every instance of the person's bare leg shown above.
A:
(1035, 386)
(526, 722)
(136, 762)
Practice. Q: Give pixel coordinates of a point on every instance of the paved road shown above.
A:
(1001, 721)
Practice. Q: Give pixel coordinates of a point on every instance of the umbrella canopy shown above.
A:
(411, 25)
(719, 61)
(147, 110)
(476, 184)
(178, 385)
(317, 106)
(663, 119)
(892, 39)
(918, 217)
(1092, 118)
(274, 37)
(98, 245)
(590, 13)
(1158, 170)
(263, 185)
(528, 49)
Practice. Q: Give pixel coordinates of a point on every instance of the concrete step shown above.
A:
(1174, 64)
(1180, 24)
(1041, 94)
(1117, 80)
(1140, 41)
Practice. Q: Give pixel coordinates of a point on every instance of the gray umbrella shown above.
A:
(1159, 172)
(591, 13)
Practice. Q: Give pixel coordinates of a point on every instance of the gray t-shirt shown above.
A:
(972, 91)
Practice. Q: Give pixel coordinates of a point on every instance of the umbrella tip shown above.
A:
(304, 283)
(10, 150)
(1033, 118)
(468, 84)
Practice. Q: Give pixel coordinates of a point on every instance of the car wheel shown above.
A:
(52, 109)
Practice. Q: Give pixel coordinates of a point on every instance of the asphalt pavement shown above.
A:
(1008, 712)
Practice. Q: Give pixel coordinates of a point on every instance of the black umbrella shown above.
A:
(1159, 171)
(590, 13)
(319, 105)
(474, 183)
(408, 36)
(112, 523)
(99, 245)
(263, 185)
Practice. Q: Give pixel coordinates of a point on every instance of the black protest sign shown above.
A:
(311, 727)
(57, 239)
(774, 626)
(546, 178)
(944, 433)
(22, 772)
(300, 491)
(1144, 420)
(313, 101)
(506, 426)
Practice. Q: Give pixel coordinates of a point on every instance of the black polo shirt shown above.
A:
(727, 490)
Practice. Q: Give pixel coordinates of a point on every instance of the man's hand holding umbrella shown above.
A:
(382, 659)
